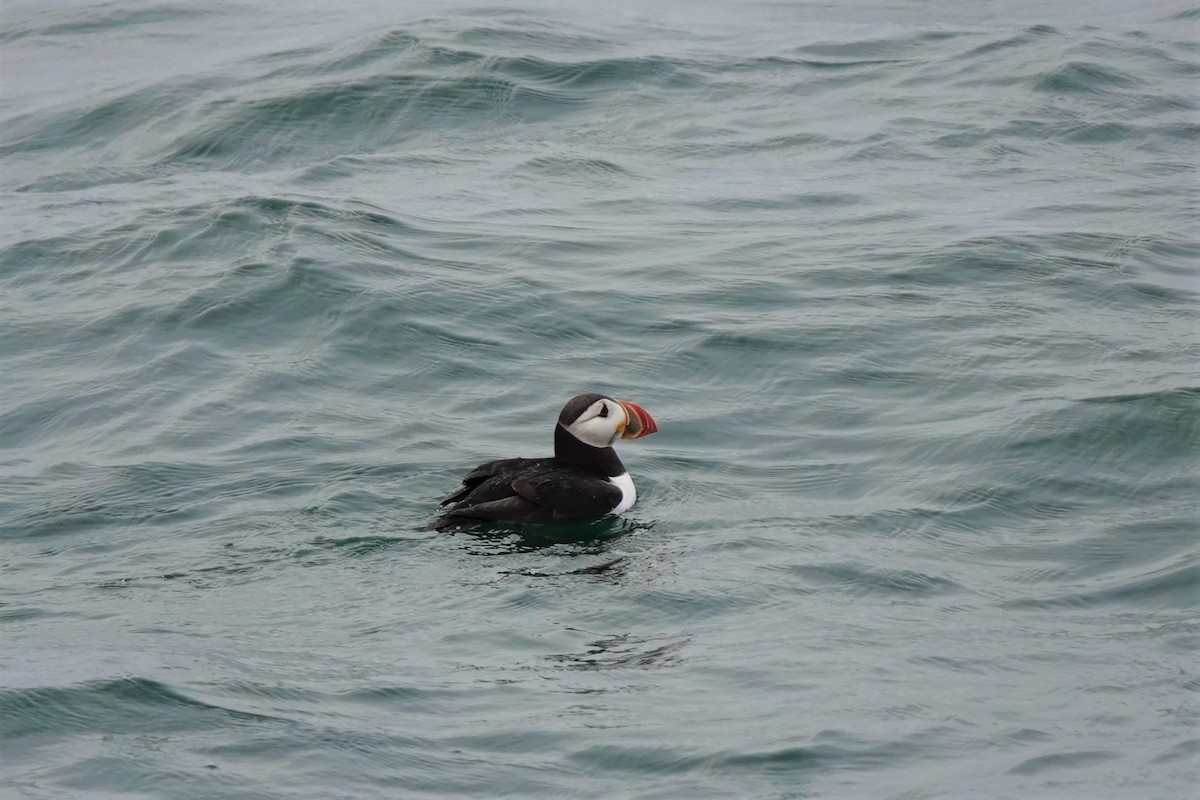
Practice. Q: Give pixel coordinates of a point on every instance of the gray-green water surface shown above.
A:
(910, 289)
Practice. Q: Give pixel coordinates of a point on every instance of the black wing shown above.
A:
(572, 497)
(491, 481)
(530, 491)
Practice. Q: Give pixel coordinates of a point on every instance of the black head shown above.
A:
(576, 406)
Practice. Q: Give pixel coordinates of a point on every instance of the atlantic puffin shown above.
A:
(583, 480)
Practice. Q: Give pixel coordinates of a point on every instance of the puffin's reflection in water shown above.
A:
(627, 651)
(581, 538)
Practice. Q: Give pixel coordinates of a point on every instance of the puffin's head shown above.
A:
(599, 421)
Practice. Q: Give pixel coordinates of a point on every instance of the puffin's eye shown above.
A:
(603, 410)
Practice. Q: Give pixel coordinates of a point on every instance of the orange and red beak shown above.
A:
(638, 422)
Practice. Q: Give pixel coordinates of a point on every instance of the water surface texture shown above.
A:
(910, 289)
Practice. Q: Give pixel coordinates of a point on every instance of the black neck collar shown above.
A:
(571, 452)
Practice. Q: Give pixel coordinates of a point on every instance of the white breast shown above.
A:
(628, 493)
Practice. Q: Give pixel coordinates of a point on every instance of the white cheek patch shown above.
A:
(597, 431)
